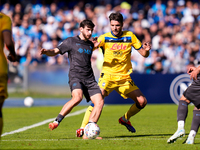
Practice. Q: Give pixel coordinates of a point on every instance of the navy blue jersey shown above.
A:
(79, 54)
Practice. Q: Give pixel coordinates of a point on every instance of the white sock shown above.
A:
(192, 133)
(181, 124)
(56, 122)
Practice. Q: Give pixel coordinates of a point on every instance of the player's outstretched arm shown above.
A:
(49, 52)
(144, 51)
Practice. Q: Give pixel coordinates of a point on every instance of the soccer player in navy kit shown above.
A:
(191, 94)
(81, 77)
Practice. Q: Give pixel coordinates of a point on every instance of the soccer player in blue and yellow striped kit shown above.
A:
(116, 47)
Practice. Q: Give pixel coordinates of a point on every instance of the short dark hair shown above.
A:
(117, 17)
(87, 23)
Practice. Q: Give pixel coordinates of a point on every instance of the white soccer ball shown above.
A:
(92, 130)
(28, 101)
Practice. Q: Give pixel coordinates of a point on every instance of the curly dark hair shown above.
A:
(117, 17)
(87, 23)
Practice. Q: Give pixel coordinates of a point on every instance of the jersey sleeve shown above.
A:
(136, 42)
(65, 46)
(7, 25)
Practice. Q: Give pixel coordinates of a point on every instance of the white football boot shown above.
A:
(179, 133)
(190, 140)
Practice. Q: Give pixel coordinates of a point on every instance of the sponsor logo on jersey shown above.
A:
(118, 47)
(80, 50)
(74, 84)
(178, 86)
(86, 51)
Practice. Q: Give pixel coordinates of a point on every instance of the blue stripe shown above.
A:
(139, 48)
(121, 39)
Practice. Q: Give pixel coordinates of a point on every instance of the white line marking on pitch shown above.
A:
(42, 123)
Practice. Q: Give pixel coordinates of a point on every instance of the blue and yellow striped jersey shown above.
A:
(117, 52)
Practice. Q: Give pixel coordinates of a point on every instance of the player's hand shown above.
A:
(147, 46)
(12, 58)
(193, 72)
(94, 39)
(95, 42)
(190, 70)
(43, 51)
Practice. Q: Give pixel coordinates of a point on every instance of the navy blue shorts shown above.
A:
(192, 93)
(88, 86)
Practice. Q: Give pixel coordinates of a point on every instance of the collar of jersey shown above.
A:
(81, 39)
(115, 35)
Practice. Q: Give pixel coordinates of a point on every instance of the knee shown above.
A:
(77, 100)
(142, 102)
(183, 103)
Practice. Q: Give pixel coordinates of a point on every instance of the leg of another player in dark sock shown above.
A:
(195, 123)
(182, 113)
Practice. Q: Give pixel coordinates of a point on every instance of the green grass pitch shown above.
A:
(154, 125)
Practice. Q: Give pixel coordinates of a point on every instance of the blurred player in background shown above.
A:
(81, 77)
(5, 38)
(116, 46)
(191, 94)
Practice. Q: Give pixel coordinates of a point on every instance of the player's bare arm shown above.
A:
(193, 72)
(50, 52)
(7, 36)
(144, 51)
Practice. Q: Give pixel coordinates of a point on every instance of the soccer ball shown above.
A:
(92, 130)
(28, 101)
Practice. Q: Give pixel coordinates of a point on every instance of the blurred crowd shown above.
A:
(172, 27)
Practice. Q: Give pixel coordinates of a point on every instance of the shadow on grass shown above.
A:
(145, 135)
(133, 136)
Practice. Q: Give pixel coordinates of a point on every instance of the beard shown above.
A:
(117, 33)
(87, 37)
